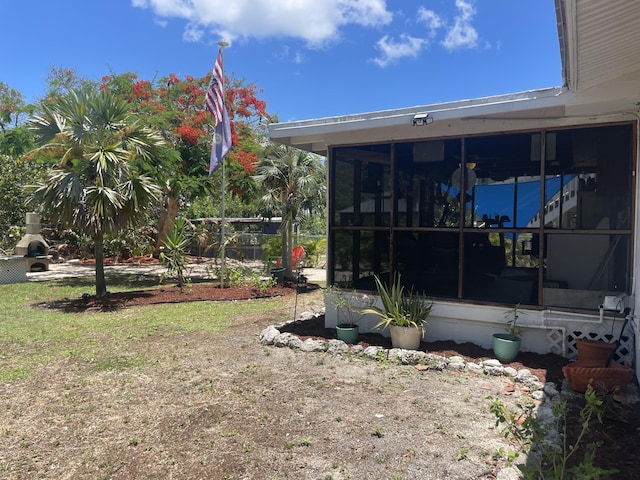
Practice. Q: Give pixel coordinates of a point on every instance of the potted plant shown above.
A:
(507, 345)
(403, 313)
(349, 309)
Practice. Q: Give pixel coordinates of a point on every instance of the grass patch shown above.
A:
(9, 375)
(31, 335)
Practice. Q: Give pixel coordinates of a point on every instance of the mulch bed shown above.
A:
(547, 367)
(171, 294)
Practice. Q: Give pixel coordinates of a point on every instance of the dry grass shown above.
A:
(191, 403)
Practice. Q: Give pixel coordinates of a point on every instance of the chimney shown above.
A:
(32, 244)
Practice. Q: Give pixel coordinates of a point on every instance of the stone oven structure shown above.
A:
(33, 246)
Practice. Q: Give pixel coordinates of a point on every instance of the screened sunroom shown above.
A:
(527, 198)
(541, 218)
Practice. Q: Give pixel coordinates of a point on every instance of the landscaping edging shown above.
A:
(271, 336)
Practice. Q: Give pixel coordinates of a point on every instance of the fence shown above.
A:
(249, 246)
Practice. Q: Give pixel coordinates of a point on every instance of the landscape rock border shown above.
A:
(272, 336)
(545, 395)
(539, 391)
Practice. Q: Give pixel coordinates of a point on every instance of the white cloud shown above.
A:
(316, 23)
(462, 34)
(160, 22)
(393, 51)
(193, 32)
(285, 54)
(431, 19)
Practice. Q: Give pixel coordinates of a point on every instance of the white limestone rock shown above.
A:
(268, 335)
(311, 345)
(337, 347)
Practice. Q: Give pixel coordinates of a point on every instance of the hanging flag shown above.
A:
(214, 102)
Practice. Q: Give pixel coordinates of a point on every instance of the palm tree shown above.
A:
(95, 186)
(294, 183)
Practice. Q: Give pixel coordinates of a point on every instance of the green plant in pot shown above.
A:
(403, 312)
(349, 308)
(507, 345)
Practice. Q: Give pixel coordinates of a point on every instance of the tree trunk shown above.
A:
(168, 214)
(287, 247)
(101, 283)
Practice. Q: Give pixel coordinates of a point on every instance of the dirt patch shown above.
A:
(224, 406)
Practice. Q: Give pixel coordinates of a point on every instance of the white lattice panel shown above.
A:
(13, 270)
(591, 327)
(555, 339)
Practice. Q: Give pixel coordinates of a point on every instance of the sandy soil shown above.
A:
(205, 406)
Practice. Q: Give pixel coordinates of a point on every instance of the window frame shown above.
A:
(394, 226)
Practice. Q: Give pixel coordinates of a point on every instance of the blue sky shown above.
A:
(310, 58)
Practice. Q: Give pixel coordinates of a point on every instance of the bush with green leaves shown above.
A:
(272, 247)
(238, 276)
(315, 249)
(554, 461)
(9, 237)
(174, 255)
(133, 242)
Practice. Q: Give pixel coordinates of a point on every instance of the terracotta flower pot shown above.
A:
(580, 375)
(595, 353)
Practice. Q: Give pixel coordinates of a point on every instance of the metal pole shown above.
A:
(222, 242)
(222, 44)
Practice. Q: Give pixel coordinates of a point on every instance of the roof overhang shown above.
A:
(548, 108)
(599, 42)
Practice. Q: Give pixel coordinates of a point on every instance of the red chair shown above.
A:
(296, 255)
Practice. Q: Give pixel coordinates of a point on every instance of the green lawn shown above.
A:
(32, 334)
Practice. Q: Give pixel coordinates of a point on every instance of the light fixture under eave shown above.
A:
(421, 119)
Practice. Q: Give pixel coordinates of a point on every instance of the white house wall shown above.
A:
(544, 331)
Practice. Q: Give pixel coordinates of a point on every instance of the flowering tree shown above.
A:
(15, 141)
(175, 107)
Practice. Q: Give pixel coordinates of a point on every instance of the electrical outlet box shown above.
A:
(616, 303)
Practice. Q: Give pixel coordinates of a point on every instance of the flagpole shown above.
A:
(214, 102)
(222, 218)
(223, 44)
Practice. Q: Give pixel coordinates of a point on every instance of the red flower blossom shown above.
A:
(247, 160)
(189, 134)
(142, 89)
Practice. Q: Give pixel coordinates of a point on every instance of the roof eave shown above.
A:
(316, 134)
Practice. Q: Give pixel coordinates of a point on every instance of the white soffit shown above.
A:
(602, 43)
